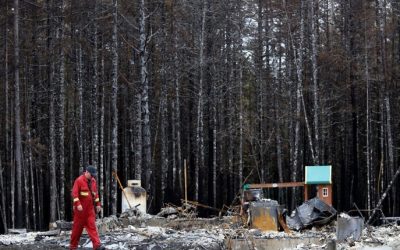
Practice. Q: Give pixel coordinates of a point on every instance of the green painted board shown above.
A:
(318, 175)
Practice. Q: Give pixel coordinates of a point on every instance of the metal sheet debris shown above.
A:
(252, 194)
(264, 215)
(349, 227)
(134, 197)
(311, 212)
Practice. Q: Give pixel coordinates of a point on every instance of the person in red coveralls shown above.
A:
(85, 197)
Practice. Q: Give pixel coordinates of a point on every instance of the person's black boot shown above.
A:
(101, 247)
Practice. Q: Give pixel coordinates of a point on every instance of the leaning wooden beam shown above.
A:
(276, 185)
(114, 173)
(383, 196)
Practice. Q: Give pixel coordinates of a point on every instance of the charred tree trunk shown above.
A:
(163, 108)
(386, 98)
(61, 112)
(17, 110)
(199, 164)
(241, 125)
(52, 128)
(33, 187)
(114, 109)
(214, 170)
(80, 103)
(314, 55)
(3, 213)
(177, 167)
(147, 164)
(138, 135)
(260, 93)
(7, 127)
(299, 86)
(368, 147)
(26, 160)
(101, 136)
(278, 125)
(95, 110)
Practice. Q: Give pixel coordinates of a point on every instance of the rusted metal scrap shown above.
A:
(264, 215)
(283, 224)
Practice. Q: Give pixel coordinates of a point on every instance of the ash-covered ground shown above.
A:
(153, 233)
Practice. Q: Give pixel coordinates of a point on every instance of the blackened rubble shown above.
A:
(125, 232)
(154, 232)
(311, 212)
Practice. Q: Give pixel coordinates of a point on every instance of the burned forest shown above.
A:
(214, 108)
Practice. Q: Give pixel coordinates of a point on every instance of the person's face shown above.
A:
(88, 175)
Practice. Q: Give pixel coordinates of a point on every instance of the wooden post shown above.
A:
(185, 173)
(305, 192)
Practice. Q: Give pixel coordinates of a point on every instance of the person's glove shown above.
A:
(98, 209)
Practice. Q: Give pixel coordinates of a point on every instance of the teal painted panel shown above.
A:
(318, 175)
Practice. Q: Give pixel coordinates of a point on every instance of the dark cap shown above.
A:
(91, 170)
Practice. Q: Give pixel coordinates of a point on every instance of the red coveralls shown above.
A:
(87, 217)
